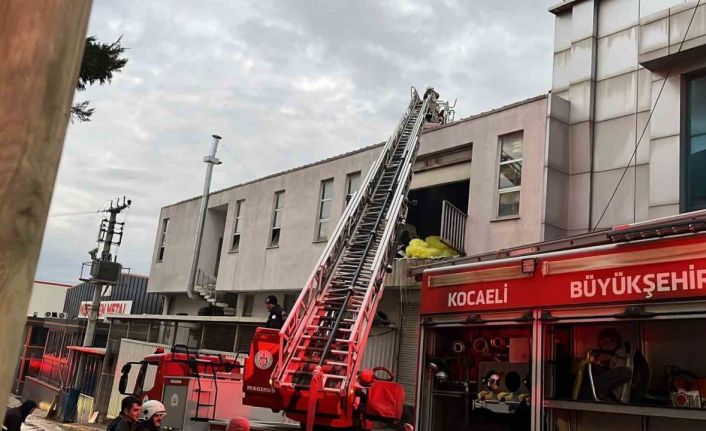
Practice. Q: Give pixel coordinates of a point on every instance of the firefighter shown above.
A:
(277, 316)
(130, 408)
(151, 416)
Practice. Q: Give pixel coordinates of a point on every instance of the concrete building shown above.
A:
(539, 169)
(47, 299)
(264, 237)
(614, 60)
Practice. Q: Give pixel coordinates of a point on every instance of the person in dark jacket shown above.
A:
(15, 417)
(130, 409)
(277, 316)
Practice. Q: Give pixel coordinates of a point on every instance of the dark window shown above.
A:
(237, 226)
(352, 185)
(695, 149)
(277, 219)
(248, 303)
(163, 240)
(289, 300)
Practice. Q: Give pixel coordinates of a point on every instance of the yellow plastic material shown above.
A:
(429, 248)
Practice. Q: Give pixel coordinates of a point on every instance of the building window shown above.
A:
(510, 175)
(694, 157)
(237, 226)
(289, 300)
(323, 221)
(163, 240)
(352, 185)
(277, 219)
(248, 302)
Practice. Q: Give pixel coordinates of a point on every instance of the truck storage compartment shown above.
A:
(643, 373)
(480, 378)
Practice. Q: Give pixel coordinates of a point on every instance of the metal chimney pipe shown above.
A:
(210, 161)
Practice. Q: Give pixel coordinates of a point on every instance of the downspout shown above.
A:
(210, 161)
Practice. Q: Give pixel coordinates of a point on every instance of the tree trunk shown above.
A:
(41, 47)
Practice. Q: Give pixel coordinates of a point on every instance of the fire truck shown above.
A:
(310, 369)
(600, 331)
(200, 390)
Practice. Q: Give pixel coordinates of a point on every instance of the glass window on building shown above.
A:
(163, 240)
(323, 222)
(237, 226)
(248, 303)
(277, 219)
(694, 172)
(352, 185)
(510, 175)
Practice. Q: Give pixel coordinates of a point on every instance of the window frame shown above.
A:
(686, 204)
(319, 209)
(161, 248)
(499, 164)
(237, 223)
(273, 241)
(348, 195)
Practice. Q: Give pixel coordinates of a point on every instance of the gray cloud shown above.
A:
(285, 83)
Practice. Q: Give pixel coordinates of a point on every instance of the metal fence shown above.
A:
(453, 226)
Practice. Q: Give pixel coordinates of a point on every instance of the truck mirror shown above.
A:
(122, 384)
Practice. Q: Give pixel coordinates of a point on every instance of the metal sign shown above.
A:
(660, 270)
(106, 307)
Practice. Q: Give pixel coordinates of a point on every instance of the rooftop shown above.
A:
(369, 147)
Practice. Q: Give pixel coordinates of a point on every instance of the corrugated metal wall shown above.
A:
(409, 344)
(381, 349)
(129, 288)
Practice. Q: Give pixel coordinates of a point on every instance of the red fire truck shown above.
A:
(200, 390)
(604, 331)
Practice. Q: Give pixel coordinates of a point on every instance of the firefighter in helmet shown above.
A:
(151, 416)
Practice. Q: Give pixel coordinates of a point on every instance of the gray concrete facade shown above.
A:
(611, 58)
(467, 151)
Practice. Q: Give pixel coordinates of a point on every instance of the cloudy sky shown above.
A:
(284, 82)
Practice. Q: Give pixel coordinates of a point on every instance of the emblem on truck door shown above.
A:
(263, 359)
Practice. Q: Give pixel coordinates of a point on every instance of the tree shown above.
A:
(100, 61)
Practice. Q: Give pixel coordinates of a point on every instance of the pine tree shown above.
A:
(100, 61)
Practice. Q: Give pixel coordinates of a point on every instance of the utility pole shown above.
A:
(210, 161)
(104, 270)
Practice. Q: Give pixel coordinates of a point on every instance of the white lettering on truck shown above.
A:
(645, 284)
(478, 297)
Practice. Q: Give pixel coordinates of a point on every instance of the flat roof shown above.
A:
(191, 319)
(277, 174)
(486, 113)
(100, 351)
(563, 6)
(363, 149)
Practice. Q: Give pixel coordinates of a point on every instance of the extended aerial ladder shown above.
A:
(310, 369)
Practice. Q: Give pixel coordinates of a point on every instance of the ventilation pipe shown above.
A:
(210, 161)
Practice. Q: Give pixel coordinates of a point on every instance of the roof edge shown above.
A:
(287, 171)
(486, 113)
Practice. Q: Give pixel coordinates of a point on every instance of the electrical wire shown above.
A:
(75, 213)
(238, 161)
(647, 124)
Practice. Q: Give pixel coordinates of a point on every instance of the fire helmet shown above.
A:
(151, 408)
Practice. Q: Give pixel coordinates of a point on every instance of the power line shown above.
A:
(75, 214)
(647, 124)
(238, 161)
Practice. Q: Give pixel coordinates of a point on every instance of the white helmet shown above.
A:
(151, 408)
